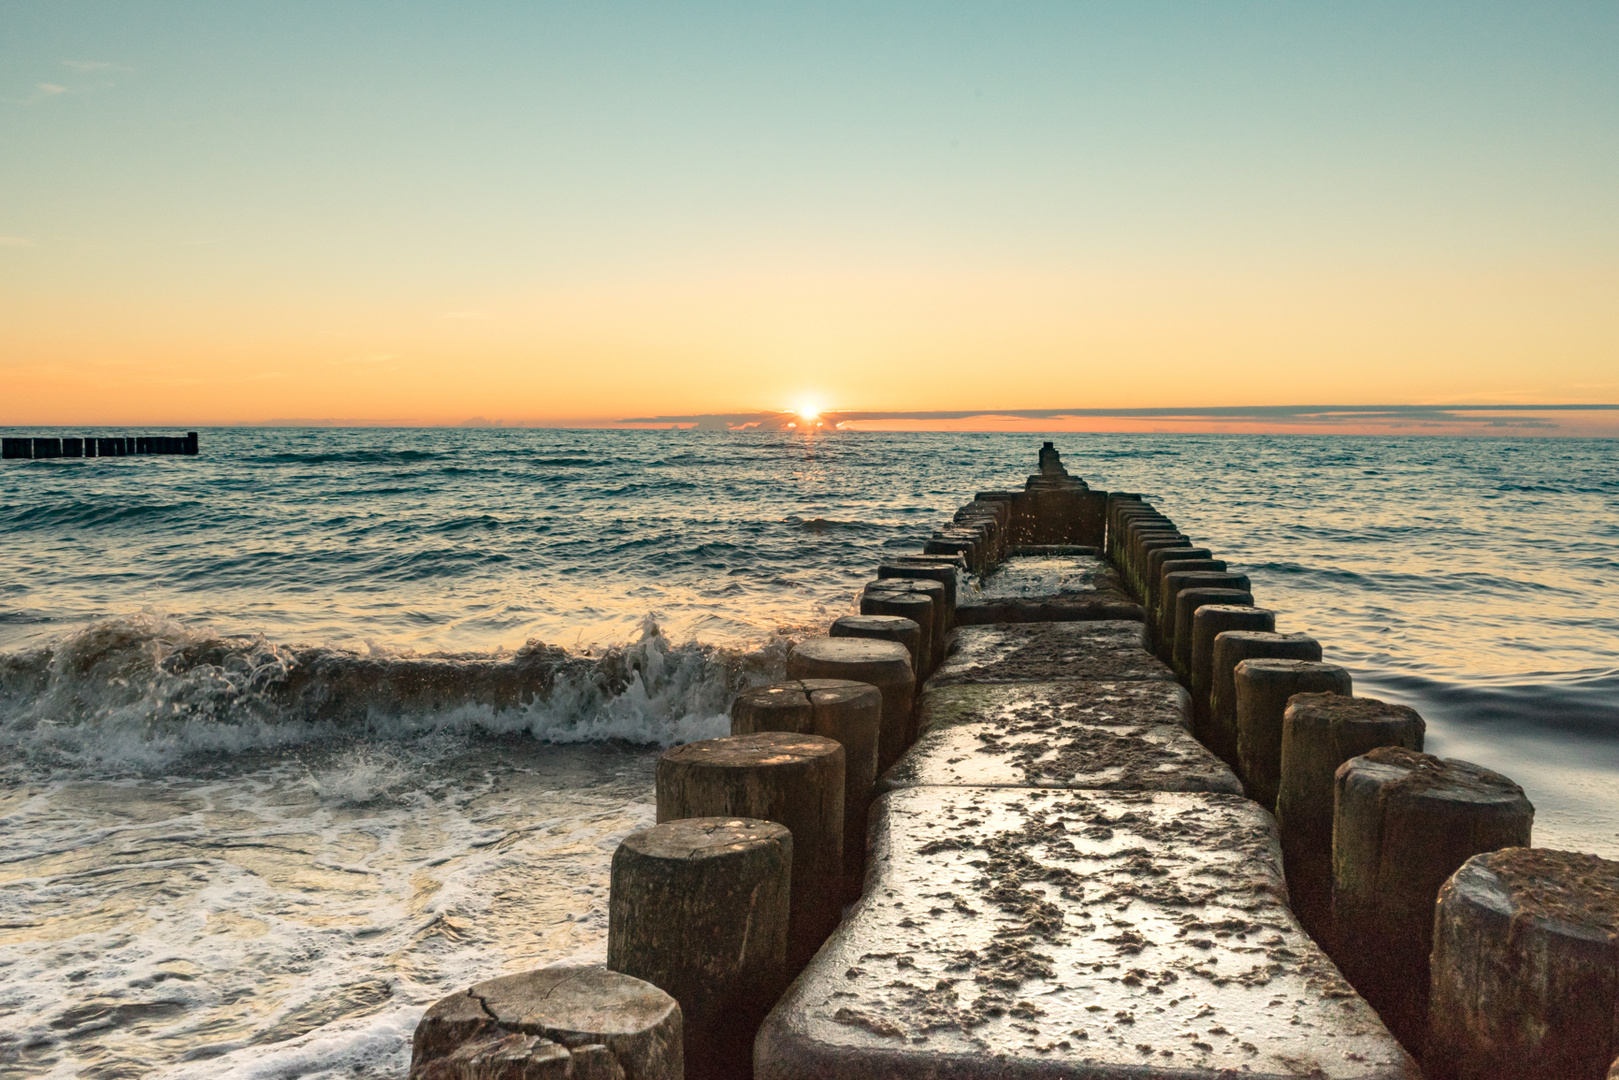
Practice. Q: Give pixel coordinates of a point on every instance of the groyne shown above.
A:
(1124, 825)
(97, 446)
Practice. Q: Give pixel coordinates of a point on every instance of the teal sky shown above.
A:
(325, 157)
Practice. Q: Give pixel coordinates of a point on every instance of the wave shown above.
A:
(1584, 704)
(140, 693)
(350, 457)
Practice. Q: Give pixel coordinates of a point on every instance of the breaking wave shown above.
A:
(138, 693)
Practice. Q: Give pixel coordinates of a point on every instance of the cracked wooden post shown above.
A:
(1208, 622)
(884, 664)
(1187, 602)
(1319, 733)
(578, 1022)
(699, 909)
(850, 713)
(1262, 689)
(1525, 967)
(1230, 649)
(1405, 822)
(794, 780)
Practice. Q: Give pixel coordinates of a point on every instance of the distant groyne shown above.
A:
(97, 446)
(1122, 824)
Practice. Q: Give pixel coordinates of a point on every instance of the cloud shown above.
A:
(1453, 417)
(16, 241)
(49, 89)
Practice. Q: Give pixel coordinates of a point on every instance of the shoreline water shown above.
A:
(1492, 619)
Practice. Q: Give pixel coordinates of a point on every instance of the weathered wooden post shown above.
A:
(1230, 649)
(940, 568)
(1319, 733)
(557, 1021)
(941, 619)
(1187, 602)
(1208, 622)
(1405, 822)
(897, 628)
(794, 780)
(1262, 689)
(699, 908)
(1182, 574)
(850, 713)
(915, 608)
(884, 664)
(1525, 967)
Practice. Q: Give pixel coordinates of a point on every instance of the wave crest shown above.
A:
(140, 692)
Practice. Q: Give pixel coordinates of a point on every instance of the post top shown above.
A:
(707, 837)
(759, 748)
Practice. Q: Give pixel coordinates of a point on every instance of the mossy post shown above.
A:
(555, 1021)
(1405, 822)
(884, 664)
(1208, 622)
(850, 713)
(1319, 733)
(1262, 689)
(1230, 649)
(698, 908)
(793, 780)
(1525, 968)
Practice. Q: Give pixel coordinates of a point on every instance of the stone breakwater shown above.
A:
(1119, 825)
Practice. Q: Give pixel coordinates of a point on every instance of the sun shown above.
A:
(808, 410)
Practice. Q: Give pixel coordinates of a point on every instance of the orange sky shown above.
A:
(547, 216)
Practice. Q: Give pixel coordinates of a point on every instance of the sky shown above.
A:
(537, 213)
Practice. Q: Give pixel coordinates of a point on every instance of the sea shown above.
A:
(302, 733)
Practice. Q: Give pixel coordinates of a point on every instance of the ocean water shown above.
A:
(300, 734)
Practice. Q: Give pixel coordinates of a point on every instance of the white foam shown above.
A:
(141, 692)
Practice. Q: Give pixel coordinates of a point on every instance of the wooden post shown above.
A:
(848, 712)
(1262, 688)
(913, 607)
(898, 628)
(1208, 622)
(794, 780)
(942, 617)
(557, 1021)
(921, 567)
(699, 909)
(1231, 648)
(1187, 601)
(1319, 733)
(884, 664)
(1405, 822)
(1178, 575)
(1525, 967)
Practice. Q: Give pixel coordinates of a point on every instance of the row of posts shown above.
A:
(97, 446)
(760, 839)
(761, 835)
(1401, 864)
